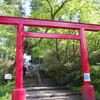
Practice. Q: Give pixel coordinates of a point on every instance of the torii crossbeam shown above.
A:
(19, 93)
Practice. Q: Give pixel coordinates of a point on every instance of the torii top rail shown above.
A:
(87, 89)
(47, 23)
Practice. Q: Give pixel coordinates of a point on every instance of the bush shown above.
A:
(95, 75)
(70, 73)
(5, 90)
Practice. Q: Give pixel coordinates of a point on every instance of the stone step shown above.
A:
(46, 88)
(58, 98)
(52, 93)
(49, 93)
(30, 82)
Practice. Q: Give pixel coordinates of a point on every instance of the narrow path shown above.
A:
(47, 89)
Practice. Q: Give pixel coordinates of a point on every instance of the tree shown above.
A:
(8, 32)
(61, 10)
(59, 54)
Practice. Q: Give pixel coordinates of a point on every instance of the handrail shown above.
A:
(37, 75)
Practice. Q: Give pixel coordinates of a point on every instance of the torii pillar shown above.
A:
(19, 93)
(87, 88)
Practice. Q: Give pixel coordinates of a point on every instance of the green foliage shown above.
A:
(5, 90)
(9, 10)
(61, 57)
(97, 94)
(62, 66)
(95, 75)
(73, 10)
(8, 32)
(76, 89)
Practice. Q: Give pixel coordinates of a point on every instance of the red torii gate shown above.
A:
(19, 93)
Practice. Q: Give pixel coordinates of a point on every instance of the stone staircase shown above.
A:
(49, 89)
(51, 93)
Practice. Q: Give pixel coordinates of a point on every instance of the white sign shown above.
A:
(86, 77)
(8, 76)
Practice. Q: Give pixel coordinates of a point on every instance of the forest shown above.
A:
(60, 58)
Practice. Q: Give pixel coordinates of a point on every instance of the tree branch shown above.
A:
(28, 45)
(57, 51)
(60, 7)
(51, 8)
(71, 56)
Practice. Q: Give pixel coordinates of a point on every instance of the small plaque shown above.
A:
(86, 77)
(8, 76)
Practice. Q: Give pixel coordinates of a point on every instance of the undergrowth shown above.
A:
(78, 89)
(5, 90)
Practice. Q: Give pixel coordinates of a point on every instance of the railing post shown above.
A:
(87, 88)
(19, 93)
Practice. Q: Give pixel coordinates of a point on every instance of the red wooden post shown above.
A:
(19, 93)
(87, 88)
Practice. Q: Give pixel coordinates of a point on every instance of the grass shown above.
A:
(5, 90)
(78, 89)
(97, 94)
